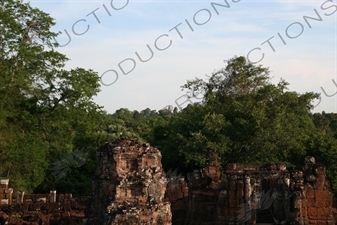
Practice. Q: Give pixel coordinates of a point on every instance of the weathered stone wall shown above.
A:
(253, 193)
(314, 198)
(129, 186)
(36, 209)
(246, 186)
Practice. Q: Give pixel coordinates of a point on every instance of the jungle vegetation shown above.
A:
(50, 126)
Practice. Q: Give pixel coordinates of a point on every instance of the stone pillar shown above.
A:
(248, 190)
(313, 194)
(131, 179)
(9, 194)
(4, 201)
(4, 183)
(19, 197)
(52, 196)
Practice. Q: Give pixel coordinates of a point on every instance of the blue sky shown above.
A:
(307, 60)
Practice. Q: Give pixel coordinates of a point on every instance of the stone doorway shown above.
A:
(264, 215)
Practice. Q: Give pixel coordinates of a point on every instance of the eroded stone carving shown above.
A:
(254, 193)
(129, 185)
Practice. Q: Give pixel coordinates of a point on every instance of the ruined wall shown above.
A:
(129, 186)
(36, 209)
(314, 200)
(253, 193)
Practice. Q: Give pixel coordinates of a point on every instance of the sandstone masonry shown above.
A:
(36, 209)
(129, 186)
(253, 194)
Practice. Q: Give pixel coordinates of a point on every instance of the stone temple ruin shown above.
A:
(37, 209)
(254, 194)
(131, 188)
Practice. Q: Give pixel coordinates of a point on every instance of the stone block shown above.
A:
(320, 215)
(232, 212)
(45, 206)
(233, 203)
(304, 203)
(309, 160)
(185, 191)
(240, 185)
(281, 166)
(167, 194)
(232, 185)
(320, 182)
(310, 178)
(310, 194)
(213, 170)
(311, 202)
(232, 166)
(312, 212)
(320, 170)
(240, 194)
(173, 196)
(297, 174)
(323, 198)
(68, 196)
(25, 206)
(223, 194)
(17, 207)
(61, 197)
(232, 194)
(54, 206)
(67, 206)
(4, 183)
(233, 177)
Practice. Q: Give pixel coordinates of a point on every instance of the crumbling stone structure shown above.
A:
(251, 194)
(35, 209)
(314, 197)
(129, 186)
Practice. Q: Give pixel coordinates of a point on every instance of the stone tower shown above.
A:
(129, 185)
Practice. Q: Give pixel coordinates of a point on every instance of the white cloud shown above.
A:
(307, 62)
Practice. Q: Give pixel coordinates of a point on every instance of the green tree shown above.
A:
(44, 109)
(243, 117)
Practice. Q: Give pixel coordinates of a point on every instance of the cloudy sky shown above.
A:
(145, 50)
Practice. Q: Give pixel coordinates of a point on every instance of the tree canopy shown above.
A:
(245, 118)
(50, 126)
(44, 108)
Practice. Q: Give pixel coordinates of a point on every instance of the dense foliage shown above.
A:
(245, 118)
(44, 109)
(50, 126)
